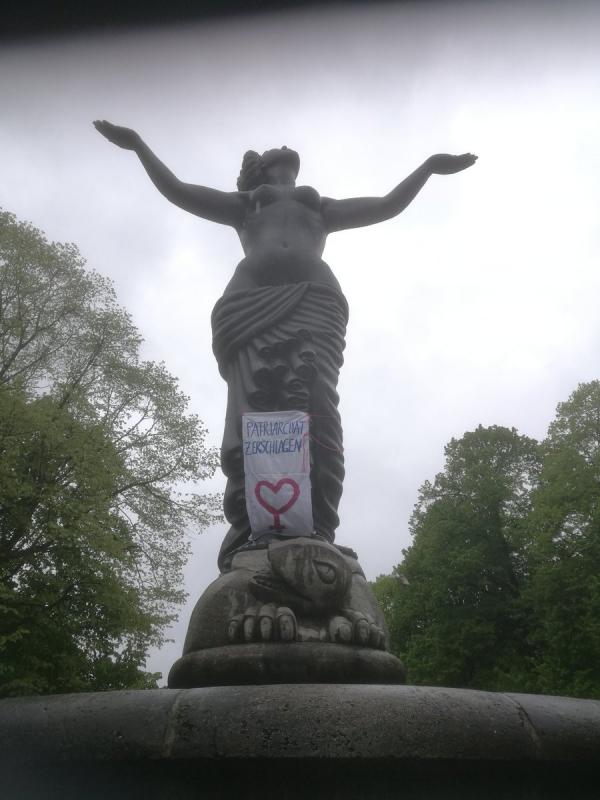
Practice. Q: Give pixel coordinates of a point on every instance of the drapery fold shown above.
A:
(280, 348)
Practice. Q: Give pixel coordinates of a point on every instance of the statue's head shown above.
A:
(280, 165)
(313, 570)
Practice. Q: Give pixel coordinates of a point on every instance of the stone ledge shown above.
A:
(329, 736)
(257, 664)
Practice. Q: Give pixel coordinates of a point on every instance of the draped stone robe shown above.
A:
(280, 348)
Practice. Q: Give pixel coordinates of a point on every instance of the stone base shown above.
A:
(297, 611)
(291, 742)
(260, 664)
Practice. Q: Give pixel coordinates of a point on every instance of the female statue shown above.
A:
(278, 330)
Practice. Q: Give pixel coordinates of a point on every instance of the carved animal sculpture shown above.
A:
(301, 589)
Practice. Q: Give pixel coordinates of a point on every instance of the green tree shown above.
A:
(454, 604)
(564, 535)
(96, 449)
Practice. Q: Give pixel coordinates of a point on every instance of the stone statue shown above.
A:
(278, 336)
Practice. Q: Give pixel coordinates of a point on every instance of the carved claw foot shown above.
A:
(358, 628)
(263, 623)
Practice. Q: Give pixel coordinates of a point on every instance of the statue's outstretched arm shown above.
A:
(211, 204)
(355, 212)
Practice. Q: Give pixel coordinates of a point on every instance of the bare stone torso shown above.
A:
(283, 236)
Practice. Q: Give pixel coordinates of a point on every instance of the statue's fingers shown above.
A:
(266, 622)
(360, 625)
(375, 637)
(250, 621)
(340, 630)
(104, 127)
(235, 627)
(286, 624)
(362, 632)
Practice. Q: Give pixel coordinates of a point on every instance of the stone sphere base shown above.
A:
(306, 662)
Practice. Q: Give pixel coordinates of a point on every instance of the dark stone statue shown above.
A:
(266, 619)
(278, 336)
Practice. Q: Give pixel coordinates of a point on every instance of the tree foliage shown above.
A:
(96, 448)
(501, 583)
(564, 591)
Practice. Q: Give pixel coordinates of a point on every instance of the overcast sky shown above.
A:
(477, 305)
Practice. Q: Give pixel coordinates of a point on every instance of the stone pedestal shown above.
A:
(297, 610)
(259, 664)
(300, 741)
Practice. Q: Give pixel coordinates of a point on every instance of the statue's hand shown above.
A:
(445, 164)
(126, 138)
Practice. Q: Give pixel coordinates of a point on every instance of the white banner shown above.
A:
(277, 468)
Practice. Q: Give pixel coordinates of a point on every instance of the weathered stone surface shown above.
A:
(258, 664)
(564, 728)
(323, 591)
(300, 592)
(339, 722)
(102, 726)
(300, 741)
(314, 571)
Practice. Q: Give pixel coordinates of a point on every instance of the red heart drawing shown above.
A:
(275, 488)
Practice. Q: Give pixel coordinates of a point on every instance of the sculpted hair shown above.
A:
(253, 166)
(251, 173)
